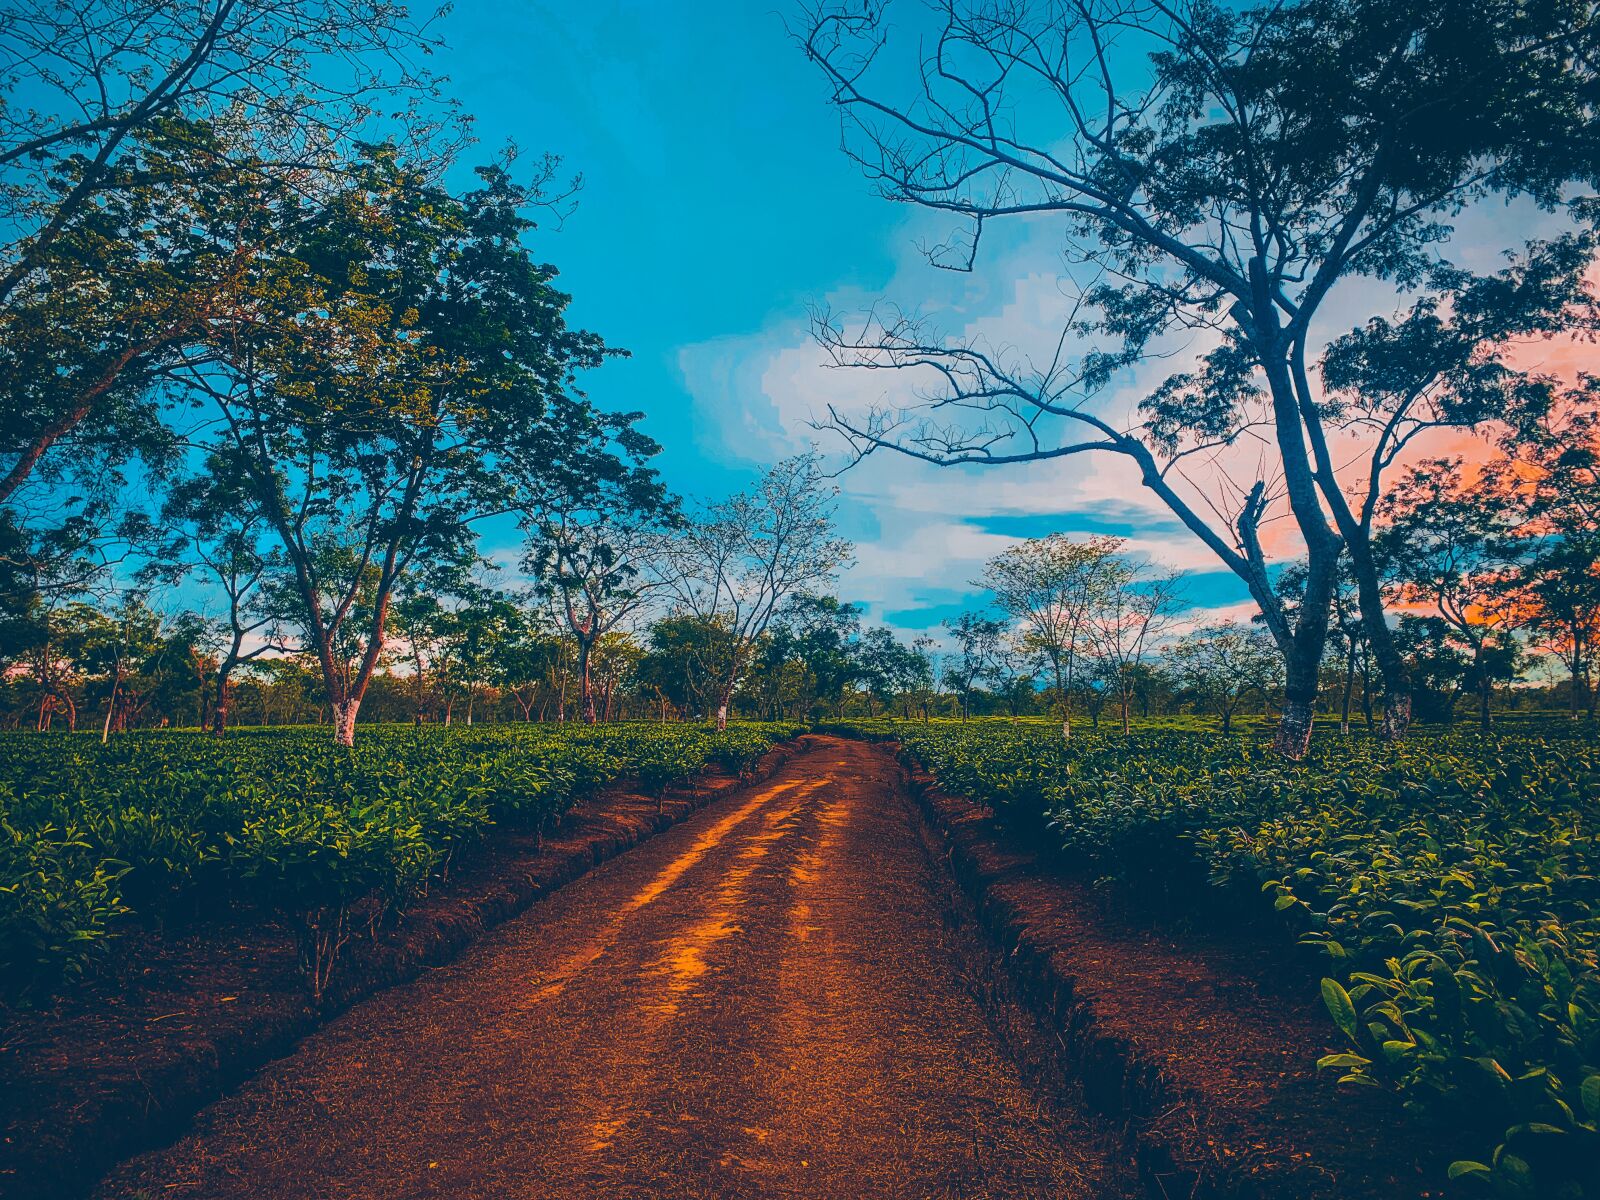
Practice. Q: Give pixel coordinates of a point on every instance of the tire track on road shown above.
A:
(759, 1002)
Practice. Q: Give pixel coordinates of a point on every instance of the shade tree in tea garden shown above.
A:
(1231, 174)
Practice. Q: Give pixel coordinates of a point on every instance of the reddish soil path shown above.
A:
(766, 1000)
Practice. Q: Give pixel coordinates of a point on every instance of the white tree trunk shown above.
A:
(344, 721)
(722, 717)
(1294, 729)
(111, 707)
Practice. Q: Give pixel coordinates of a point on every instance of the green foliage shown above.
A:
(155, 823)
(58, 899)
(1452, 881)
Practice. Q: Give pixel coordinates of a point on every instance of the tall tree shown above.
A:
(212, 528)
(1222, 169)
(1448, 362)
(888, 668)
(1224, 664)
(685, 660)
(114, 645)
(1450, 544)
(615, 661)
(977, 641)
(527, 651)
(1014, 673)
(398, 350)
(1126, 620)
(598, 528)
(480, 620)
(819, 634)
(270, 89)
(1555, 475)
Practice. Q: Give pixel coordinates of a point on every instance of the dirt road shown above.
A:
(764, 1001)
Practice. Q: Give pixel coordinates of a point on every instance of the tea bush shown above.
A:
(159, 824)
(1452, 881)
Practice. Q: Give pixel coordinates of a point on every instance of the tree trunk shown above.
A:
(1575, 698)
(1349, 689)
(1366, 692)
(1290, 393)
(1391, 663)
(1302, 650)
(1293, 738)
(344, 721)
(1063, 693)
(586, 685)
(421, 688)
(1396, 707)
(219, 709)
(1294, 728)
(111, 708)
(1303, 646)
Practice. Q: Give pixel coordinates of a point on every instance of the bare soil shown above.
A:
(839, 982)
(765, 1000)
(124, 1062)
(1193, 1028)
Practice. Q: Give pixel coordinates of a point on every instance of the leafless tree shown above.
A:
(735, 562)
(1129, 614)
(1051, 585)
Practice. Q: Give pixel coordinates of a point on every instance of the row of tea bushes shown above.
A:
(163, 824)
(1452, 881)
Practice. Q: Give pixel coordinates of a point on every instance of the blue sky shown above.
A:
(716, 207)
(714, 195)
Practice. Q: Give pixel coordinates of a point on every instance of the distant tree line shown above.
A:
(1491, 571)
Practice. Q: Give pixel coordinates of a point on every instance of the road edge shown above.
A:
(140, 1113)
(1123, 1082)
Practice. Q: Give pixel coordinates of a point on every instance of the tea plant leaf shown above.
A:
(1343, 1012)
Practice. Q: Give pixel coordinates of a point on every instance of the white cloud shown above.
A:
(758, 397)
